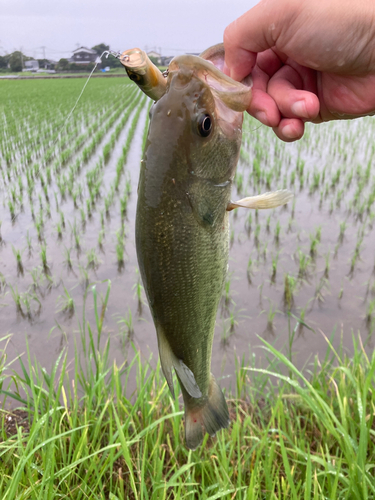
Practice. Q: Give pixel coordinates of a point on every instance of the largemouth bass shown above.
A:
(182, 228)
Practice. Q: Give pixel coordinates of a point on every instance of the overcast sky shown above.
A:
(61, 26)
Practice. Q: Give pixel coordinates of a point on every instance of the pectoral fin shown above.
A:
(168, 359)
(267, 200)
(207, 201)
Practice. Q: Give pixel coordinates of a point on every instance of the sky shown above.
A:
(60, 26)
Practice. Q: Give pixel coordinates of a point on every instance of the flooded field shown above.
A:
(67, 212)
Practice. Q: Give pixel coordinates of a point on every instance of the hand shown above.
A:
(311, 60)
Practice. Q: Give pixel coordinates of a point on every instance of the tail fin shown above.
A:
(211, 417)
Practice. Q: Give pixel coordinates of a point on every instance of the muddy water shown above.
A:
(331, 298)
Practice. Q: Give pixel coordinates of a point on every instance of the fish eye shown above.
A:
(204, 125)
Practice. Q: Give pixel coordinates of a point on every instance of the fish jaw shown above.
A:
(236, 96)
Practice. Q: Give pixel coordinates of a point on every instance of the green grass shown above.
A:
(305, 435)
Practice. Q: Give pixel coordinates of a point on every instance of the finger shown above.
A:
(262, 106)
(290, 129)
(253, 32)
(264, 109)
(269, 61)
(284, 87)
(239, 63)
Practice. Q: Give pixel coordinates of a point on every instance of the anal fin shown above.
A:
(187, 378)
(168, 359)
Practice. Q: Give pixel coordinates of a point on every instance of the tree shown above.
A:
(112, 62)
(63, 65)
(4, 61)
(154, 60)
(15, 61)
(99, 49)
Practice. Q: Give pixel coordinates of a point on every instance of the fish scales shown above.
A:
(182, 239)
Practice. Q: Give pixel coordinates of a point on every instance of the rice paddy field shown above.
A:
(301, 284)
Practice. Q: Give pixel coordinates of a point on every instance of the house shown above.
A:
(165, 60)
(154, 56)
(159, 59)
(83, 56)
(31, 65)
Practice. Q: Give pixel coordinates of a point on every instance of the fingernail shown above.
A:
(299, 109)
(289, 132)
(262, 117)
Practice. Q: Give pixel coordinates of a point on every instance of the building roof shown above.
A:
(84, 49)
(152, 53)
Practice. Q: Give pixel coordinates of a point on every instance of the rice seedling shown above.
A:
(290, 284)
(62, 220)
(275, 259)
(68, 258)
(59, 230)
(92, 259)
(269, 331)
(277, 232)
(370, 314)
(43, 256)
(227, 300)
(16, 297)
(120, 248)
(11, 209)
(83, 217)
(27, 300)
(321, 286)
(139, 290)
(18, 255)
(84, 275)
(343, 226)
(256, 235)
(65, 303)
(248, 223)
(225, 335)
(127, 323)
(249, 269)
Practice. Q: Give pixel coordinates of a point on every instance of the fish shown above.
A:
(144, 73)
(182, 226)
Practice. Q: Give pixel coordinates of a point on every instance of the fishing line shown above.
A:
(98, 60)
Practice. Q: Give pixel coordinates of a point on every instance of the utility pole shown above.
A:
(44, 51)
